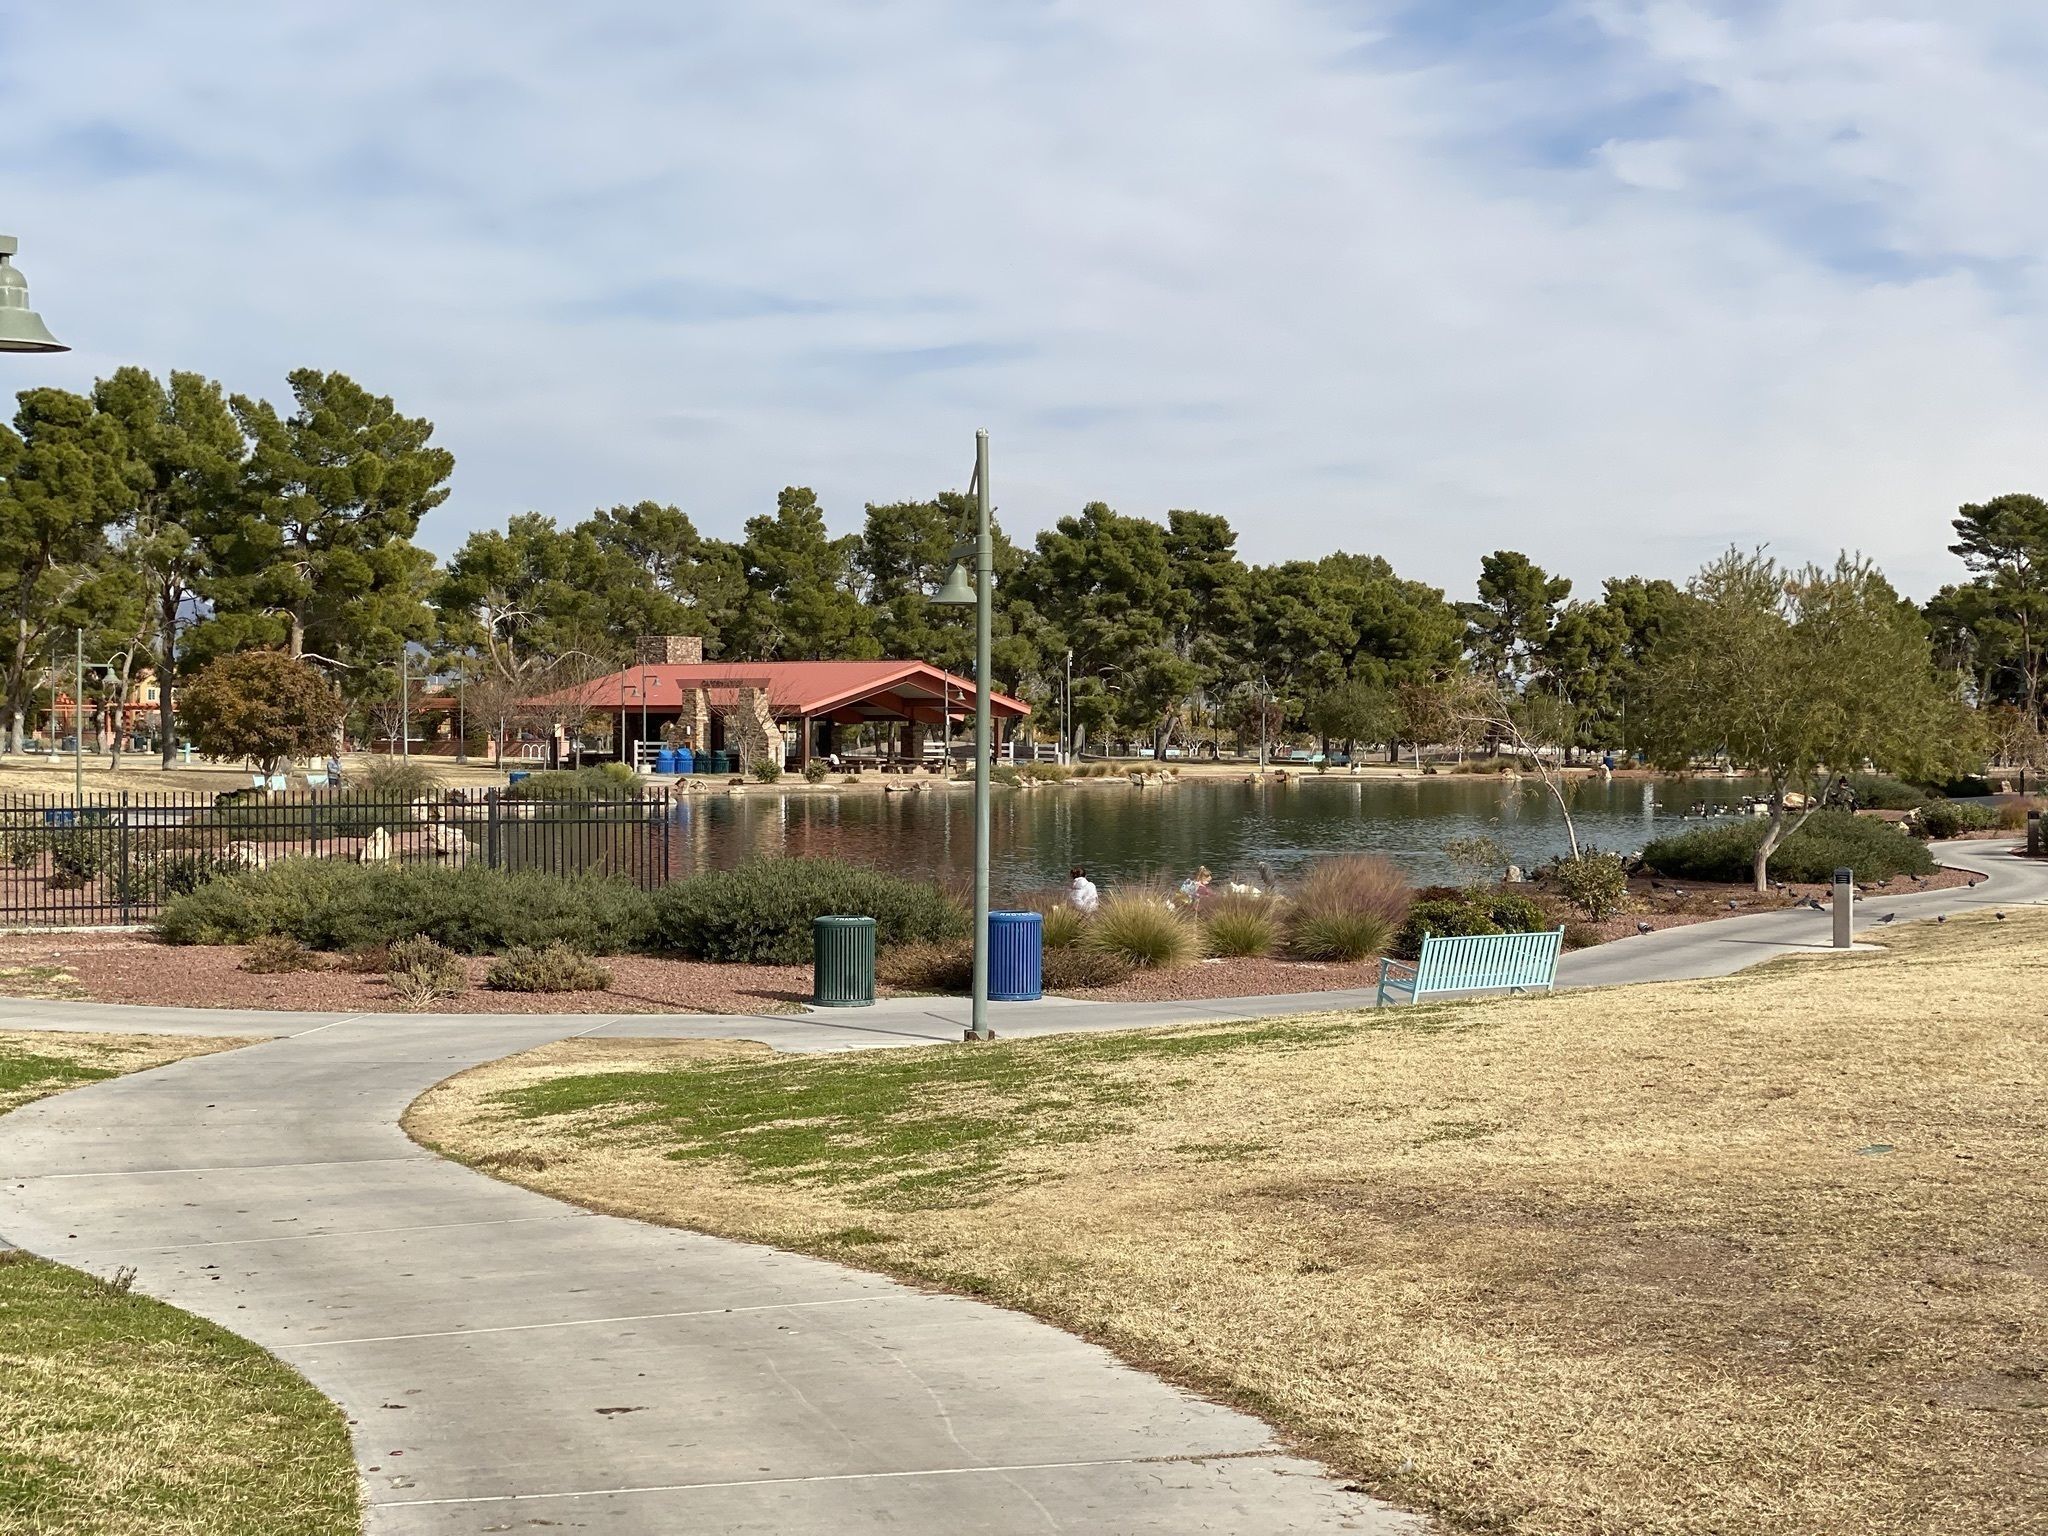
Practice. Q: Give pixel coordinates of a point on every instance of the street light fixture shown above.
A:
(21, 328)
(958, 592)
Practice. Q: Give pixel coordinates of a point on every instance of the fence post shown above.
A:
(124, 881)
(490, 829)
(667, 824)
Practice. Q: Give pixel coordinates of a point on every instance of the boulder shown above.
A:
(378, 849)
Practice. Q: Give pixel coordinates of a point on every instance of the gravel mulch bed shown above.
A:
(1674, 903)
(135, 968)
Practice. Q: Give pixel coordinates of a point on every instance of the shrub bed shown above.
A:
(550, 968)
(1945, 818)
(1829, 840)
(1449, 913)
(604, 781)
(329, 904)
(763, 912)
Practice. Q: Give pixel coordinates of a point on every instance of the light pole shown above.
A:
(21, 328)
(404, 710)
(461, 712)
(78, 720)
(959, 592)
(1067, 711)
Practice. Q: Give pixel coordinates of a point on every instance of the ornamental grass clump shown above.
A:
(1239, 925)
(1348, 908)
(1065, 926)
(423, 972)
(1145, 929)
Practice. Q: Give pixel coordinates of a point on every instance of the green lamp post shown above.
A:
(21, 328)
(961, 590)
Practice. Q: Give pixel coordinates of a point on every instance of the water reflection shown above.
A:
(1121, 833)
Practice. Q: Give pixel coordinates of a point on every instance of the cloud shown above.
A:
(1612, 281)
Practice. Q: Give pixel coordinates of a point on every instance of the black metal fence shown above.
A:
(118, 857)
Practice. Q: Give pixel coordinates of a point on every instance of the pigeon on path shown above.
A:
(1888, 917)
(1642, 927)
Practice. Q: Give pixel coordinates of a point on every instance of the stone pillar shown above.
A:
(668, 651)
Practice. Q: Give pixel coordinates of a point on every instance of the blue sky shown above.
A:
(1615, 282)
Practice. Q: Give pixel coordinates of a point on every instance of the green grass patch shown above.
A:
(121, 1416)
(901, 1130)
(25, 1075)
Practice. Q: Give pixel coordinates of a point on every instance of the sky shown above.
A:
(1614, 282)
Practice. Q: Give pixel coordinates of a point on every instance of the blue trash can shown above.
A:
(516, 775)
(665, 760)
(1016, 950)
(686, 760)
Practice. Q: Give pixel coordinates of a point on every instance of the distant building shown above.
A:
(787, 711)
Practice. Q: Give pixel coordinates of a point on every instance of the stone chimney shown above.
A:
(668, 650)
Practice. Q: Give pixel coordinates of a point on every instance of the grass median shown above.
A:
(121, 1416)
(1759, 1253)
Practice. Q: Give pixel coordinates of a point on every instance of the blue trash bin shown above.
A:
(1016, 950)
(516, 775)
(665, 760)
(686, 760)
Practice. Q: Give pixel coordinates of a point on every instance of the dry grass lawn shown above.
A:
(120, 1416)
(1765, 1254)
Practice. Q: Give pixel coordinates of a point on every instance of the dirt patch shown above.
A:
(1763, 1253)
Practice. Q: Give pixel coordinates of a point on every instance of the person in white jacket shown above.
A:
(1081, 890)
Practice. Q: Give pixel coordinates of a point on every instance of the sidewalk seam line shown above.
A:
(588, 1322)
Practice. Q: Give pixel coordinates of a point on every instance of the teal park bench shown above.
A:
(1475, 964)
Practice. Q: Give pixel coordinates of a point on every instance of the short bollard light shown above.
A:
(1845, 908)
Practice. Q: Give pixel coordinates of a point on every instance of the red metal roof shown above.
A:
(792, 687)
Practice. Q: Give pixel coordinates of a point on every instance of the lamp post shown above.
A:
(1067, 711)
(78, 719)
(461, 712)
(959, 591)
(21, 328)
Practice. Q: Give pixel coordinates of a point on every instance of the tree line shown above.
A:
(174, 522)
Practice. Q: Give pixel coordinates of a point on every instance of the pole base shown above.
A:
(971, 1037)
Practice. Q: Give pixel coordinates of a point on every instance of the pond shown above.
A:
(1122, 833)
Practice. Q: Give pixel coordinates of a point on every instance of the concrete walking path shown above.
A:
(508, 1360)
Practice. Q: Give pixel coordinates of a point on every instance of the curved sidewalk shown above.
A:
(509, 1361)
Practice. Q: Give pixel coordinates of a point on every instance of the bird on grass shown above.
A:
(1733, 904)
(1941, 917)
(1999, 915)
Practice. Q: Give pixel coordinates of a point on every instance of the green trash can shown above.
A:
(843, 962)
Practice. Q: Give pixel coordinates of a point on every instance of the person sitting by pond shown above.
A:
(1081, 890)
(1195, 888)
(333, 771)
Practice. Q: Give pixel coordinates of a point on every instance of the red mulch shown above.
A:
(136, 968)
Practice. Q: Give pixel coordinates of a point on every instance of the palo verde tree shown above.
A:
(1795, 675)
(261, 706)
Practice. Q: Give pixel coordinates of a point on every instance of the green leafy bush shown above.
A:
(1043, 773)
(1235, 926)
(1449, 913)
(151, 878)
(1581, 936)
(601, 781)
(1829, 840)
(331, 904)
(1881, 792)
(1347, 908)
(814, 773)
(1946, 818)
(549, 968)
(1595, 883)
(767, 771)
(395, 778)
(763, 911)
(1143, 928)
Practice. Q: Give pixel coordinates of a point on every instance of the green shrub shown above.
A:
(1581, 936)
(275, 955)
(550, 968)
(1595, 883)
(156, 877)
(1881, 792)
(1043, 773)
(1347, 908)
(814, 773)
(601, 781)
(1947, 818)
(763, 911)
(333, 904)
(767, 771)
(422, 972)
(1449, 913)
(1143, 928)
(1828, 840)
(1079, 966)
(80, 853)
(1235, 926)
